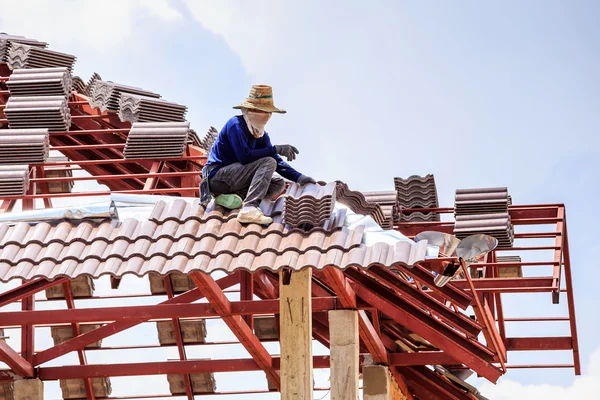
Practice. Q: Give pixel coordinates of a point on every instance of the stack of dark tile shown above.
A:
(88, 87)
(308, 205)
(357, 202)
(14, 180)
(106, 95)
(30, 112)
(79, 85)
(417, 192)
(6, 41)
(40, 82)
(26, 56)
(484, 211)
(136, 108)
(388, 201)
(209, 139)
(157, 140)
(23, 146)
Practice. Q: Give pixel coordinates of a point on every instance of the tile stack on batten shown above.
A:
(417, 192)
(484, 211)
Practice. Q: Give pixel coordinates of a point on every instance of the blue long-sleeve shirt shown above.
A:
(235, 143)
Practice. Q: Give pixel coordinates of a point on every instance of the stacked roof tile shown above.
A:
(106, 95)
(209, 139)
(311, 204)
(26, 56)
(357, 202)
(157, 140)
(6, 40)
(388, 201)
(497, 225)
(184, 237)
(136, 108)
(23, 146)
(14, 180)
(32, 112)
(40, 82)
(484, 211)
(485, 200)
(417, 192)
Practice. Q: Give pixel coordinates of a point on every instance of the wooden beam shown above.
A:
(236, 323)
(344, 348)
(296, 335)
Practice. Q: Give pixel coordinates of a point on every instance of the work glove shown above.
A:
(286, 150)
(304, 180)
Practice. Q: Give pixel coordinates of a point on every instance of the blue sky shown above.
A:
(497, 94)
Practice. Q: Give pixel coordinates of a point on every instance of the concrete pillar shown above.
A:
(28, 389)
(295, 335)
(344, 349)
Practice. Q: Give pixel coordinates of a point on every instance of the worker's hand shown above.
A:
(286, 150)
(304, 180)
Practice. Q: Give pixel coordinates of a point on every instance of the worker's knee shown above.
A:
(268, 163)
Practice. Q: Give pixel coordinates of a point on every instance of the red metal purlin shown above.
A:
(187, 381)
(238, 326)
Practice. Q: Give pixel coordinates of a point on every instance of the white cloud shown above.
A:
(102, 26)
(585, 387)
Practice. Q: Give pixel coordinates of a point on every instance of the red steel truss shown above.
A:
(392, 311)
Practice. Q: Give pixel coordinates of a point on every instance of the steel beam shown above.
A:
(18, 364)
(433, 383)
(539, 343)
(28, 289)
(421, 358)
(238, 326)
(116, 327)
(469, 352)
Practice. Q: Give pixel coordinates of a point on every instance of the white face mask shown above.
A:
(256, 121)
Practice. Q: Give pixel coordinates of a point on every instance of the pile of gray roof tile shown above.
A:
(23, 146)
(417, 192)
(6, 41)
(388, 201)
(106, 95)
(209, 139)
(40, 82)
(310, 204)
(357, 202)
(136, 108)
(26, 56)
(484, 211)
(14, 180)
(30, 112)
(157, 140)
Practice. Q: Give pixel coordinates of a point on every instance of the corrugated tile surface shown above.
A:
(14, 180)
(136, 108)
(6, 40)
(157, 140)
(106, 95)
(31, 112)
(40, 82)
(417, 192)
(26, 56)
(357, 202)
(23, 146)
(184, 237)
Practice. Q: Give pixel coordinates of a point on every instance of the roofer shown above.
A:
(242, 161)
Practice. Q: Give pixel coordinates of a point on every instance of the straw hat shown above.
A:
(261, 98)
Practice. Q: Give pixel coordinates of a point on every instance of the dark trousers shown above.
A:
(252, 182)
